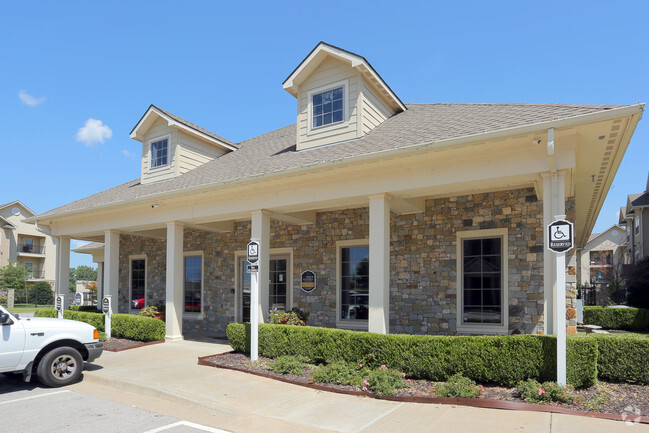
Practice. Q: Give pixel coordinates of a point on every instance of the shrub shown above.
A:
(385, 381)
(279, 317)
(3, 300)
(630, 319)
(532, 391)
(623, 357)
(128, 326)
(137, 327)
(150, 311)
(505, 360)
(459, 386)
(289, 364)
(341, 372)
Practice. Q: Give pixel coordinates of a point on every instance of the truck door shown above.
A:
(12, 342)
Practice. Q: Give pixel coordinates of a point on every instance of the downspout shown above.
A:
(42, 229)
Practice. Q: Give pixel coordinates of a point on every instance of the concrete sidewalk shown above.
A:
(167, 377)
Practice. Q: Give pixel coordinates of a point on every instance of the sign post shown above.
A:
(253, 269)
(60, 305)
(78, 299)
(560, 240)
(108, 311)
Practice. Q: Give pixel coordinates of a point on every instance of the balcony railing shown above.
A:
(35, 273)
(31, 249)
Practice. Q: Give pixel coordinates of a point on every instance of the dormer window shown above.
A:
(328, 107)
(159, 153)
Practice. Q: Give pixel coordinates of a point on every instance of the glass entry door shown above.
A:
(277, 286)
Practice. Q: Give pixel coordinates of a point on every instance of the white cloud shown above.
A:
(94, 131)
(128, 154)
(29, 99)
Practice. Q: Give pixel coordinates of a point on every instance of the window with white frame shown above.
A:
(138, 283)
(193, 283)
(354, 282)
(327, 107)
(482, 279)
(159, 153)
(637, 225)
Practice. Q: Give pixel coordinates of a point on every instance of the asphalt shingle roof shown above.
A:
(275, 151)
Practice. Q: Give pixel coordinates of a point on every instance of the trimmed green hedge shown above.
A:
(138, 328)
(504, 360)
(623, 357)
(630, 319)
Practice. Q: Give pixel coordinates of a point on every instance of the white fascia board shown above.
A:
(541, 126)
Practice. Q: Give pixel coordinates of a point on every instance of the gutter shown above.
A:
(434, 145)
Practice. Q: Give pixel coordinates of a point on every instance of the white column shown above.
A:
(111, 267)
(174, 304)
(62, 264)
(554, 203)
(100, 281)
(379, 302)
(261, 231)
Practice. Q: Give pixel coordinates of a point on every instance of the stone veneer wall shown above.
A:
(423, 298)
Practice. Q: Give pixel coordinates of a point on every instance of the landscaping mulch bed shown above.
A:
(118, 344)
(604, 400)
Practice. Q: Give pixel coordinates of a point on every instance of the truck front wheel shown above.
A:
(60, 366)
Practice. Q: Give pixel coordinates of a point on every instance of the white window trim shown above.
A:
(130, 281)
(242, 254)
(332, 126)
(480, 327)
(200, 315)
(166, 166)
(347, 323)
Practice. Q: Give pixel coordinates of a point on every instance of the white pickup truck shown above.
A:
(54, 349)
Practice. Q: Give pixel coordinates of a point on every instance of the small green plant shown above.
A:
(149, 311)
(289, 364)
(532, 391)
(340, 372)
(595, 403)
(384, 381)
(459, 386)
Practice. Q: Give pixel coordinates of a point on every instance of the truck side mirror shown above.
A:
(5, 319)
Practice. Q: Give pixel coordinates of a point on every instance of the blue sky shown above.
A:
(77, 76)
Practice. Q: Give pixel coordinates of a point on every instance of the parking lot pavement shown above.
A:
(31, 408)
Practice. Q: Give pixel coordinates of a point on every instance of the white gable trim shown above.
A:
(357, 62)
(152, 113)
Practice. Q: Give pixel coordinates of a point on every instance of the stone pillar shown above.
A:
(261, 232)
(174, 305)
(379, 299)
(62, 264)
(111, 267)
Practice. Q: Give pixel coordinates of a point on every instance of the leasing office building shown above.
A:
(415, 218)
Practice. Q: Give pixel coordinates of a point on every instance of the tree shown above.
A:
(41, 293)
(13, 276)
(85, 273)
(73, 280)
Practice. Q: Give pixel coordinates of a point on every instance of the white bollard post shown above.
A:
(60, 305)
(107, 309)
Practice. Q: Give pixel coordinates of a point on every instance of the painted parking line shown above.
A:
(33, 397)
(187, 424)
